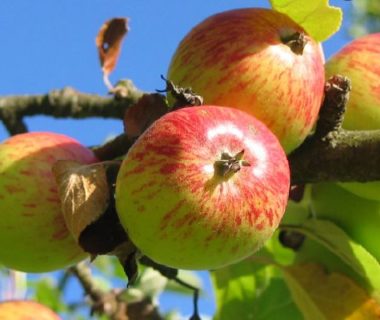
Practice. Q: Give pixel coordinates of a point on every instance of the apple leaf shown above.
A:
(323, 296)
(108, 42)
(254, 288)
(248, 290)
(338, 242)
(84, 194)
(317, 17)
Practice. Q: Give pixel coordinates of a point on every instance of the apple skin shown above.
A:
(25, 310)
(175, 207)
(237, 59)
(33, 233)
(360, 62)
(357, 216)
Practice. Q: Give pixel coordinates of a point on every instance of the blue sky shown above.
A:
(47, 45)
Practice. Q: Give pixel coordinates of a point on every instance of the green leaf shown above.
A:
(338, 242)
(254, 288)
(317, 17)
(47, 293)
(248, 290)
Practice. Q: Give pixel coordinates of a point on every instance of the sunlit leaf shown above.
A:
(340, 244)
(249, 290)
(252, 285)
(317, 17)
(323, 296)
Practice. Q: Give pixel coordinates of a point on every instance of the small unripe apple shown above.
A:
(25, 310)
(360, 62)
(33, 234)
(358, 217)
(259, 61)
(202, 188)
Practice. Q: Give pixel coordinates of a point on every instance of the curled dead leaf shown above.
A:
(83, 191)
(108, 42)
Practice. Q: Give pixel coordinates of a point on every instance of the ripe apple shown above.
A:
(25, 310)
(202, 188)
(357, 216)
(360, 61)
(33, 234)
(259, 61)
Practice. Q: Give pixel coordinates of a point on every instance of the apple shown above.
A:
(33, 234)
(358, 217)
(203, 187)
(259, 61)
(360, 61)
(25, 310)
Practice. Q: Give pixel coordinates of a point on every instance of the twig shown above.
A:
(111, 303)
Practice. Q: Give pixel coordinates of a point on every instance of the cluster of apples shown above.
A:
(203, 187)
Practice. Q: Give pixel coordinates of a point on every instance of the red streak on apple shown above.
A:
(239, 59)
(32, 228)
(179, 210)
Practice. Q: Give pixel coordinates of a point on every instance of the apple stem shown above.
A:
(184, 97)
(296, 41)
(228, 165)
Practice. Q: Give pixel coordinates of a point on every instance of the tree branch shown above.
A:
(111, 303)
(65, 103)
(332, 153)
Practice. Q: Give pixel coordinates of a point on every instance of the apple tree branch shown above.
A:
(330, 154)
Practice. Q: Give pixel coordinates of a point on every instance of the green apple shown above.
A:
(358, 217)
(202, 188)
(33, 234)
(25, 310)
(259, 61)
(360, 61)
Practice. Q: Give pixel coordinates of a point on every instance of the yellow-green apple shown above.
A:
(25, 310)
(357, 216)
(360, 61)
(33, 234)
(259, 61)
(202, 188)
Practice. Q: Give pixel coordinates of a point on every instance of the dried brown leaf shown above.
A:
(141, 115)
(83, 191)
(108, 42)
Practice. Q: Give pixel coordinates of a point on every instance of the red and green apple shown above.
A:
(202, 188)
(33, 233)
(259, 61)
(25, 310)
